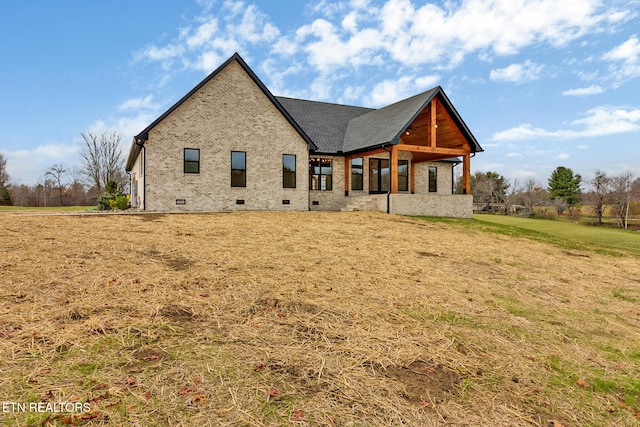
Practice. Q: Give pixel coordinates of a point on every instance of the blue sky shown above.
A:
(540, 83)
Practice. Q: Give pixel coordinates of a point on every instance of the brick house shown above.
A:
(229, 145)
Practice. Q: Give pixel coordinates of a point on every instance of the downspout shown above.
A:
(144, 171)
(389, 190)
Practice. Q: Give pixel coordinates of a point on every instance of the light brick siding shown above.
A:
(229, 113)
(456, 205)
(444, 177)
(333, 200)
(137, 182)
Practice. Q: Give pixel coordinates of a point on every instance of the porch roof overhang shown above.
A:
(415, 122)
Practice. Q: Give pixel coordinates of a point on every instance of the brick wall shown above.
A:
(229, 113)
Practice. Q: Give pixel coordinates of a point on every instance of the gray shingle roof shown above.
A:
(382, 126)
(325, 123)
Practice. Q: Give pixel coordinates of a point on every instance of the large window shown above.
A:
(356, 174)
(289, 171)
(238, 169)
(379, 174)
(320, 174)
(403, 175)
(433, 179)
(191, 160)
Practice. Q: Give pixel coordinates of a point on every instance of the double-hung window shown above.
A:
(191, 160)
(357, 181)
(238, 169)
(288, 171)
(320, 174)
(403, 175)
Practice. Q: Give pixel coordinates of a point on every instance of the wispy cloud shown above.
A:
(517, 73)
(599, 121)
(584, 91)
(145, 103)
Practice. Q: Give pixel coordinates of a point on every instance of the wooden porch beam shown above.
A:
(433, 150)
(367, 153)
(433, 125)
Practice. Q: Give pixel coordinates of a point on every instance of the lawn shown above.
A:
(601, 238)
(46, 209)
(311, 319)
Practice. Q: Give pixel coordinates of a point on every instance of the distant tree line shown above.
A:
(79, 185)
(619, 195)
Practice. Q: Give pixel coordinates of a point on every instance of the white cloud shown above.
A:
(30, 165)
(627, 52)
(348, 35)
(599, 121)
(517, 73)
(145, 103)
(390, 91)
(562, 156)
(584, 91)
(625, 60)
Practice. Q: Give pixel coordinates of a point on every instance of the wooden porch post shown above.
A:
(394, 169)
(347, 172)
(466, 172)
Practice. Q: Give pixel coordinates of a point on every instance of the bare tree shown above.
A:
(601, 193)
(103, 159)
(56, 173)
(533, 195)
(621, 195)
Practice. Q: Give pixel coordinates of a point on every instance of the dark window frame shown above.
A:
(359, 176)
(380, 176)
(289, 173)
(403, 184)
(317, 177)
(243, 170)
(433, 179)
(188, 163)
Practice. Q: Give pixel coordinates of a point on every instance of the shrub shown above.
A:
(111, 199)
(121, 202)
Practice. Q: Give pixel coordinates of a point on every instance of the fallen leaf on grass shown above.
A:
(274, 392)
(196, 399)
(298, 415)
(186, 390)
(582, 383)
(130, 381)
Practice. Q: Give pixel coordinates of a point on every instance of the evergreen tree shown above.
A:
(565, 185)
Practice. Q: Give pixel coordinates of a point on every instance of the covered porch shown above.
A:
(433, 134)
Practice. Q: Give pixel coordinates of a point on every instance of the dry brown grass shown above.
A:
(337, 319)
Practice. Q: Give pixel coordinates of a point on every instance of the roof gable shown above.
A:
(144, 135)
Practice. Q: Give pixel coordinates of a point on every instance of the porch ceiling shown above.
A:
(448, 135)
